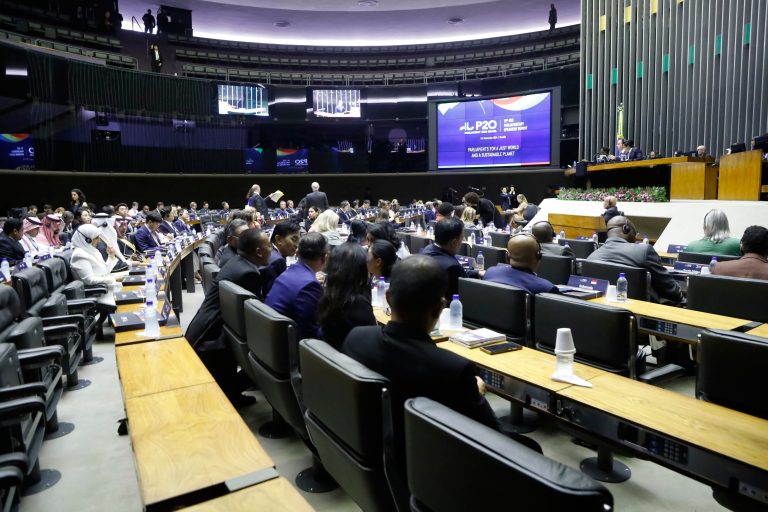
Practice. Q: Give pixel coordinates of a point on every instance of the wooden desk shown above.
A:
(190, 439)
(148, 368)
(760, 331)
(129, 337)
(741, 176)
(636, 164)
(277, 495)
(577, 225)
(693, 180)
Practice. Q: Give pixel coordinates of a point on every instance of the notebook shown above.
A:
(477, 338)
(584, 287)
(135, 320)
(136, 297)
(686, 268)
(674, 249)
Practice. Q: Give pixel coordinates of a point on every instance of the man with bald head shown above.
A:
(315, 198)
(524, 257)
(545, 234)
(620, 248)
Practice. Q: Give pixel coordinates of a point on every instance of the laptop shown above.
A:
(675, 249)
(134, 320)
(584, 287)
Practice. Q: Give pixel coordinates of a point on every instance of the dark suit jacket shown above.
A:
(751, 266)
(259, 204)
(520, 278)
(556, 249)
(344, 217)
(145, 240)
(486, 210)
(205, 329)
(429, 215)
(11, 249)
(636, 154)
(295, 294)
(417, 367)
(181, 226)
(224, 254)
(168, 228)
(611, 213)
(317, 199)
(451, 265)
(618, 250)
(275, 266)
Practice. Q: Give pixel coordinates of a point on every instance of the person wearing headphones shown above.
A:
(545, 235)
(87, 263)
(620, 248)
(524, 258)
(717, 236)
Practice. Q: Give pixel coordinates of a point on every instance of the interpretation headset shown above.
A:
(551, 228)
(626, 228)
(528, 235)
(86, 238)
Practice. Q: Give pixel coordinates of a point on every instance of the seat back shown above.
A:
(231, 300)
(638, 279)
(492, 255)
(10, 368)
(66, 256)
(730, 364)
(208, 273)
(32, 288)
(580, 248)
(555, 269)
(444, 447)
(55, 273)
(604, 336)
(471, 230)
(344, 419)
(496, 306)
(10, 307)
(499, 239)
(206, 250)
(703, 258)
(530, 212)
(729, 296)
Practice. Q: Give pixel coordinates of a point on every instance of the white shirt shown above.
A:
(30, 245)
(90, 268)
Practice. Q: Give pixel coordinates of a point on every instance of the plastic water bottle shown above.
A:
(562, 233)
(158, 259)
(151, 325)
(431, 232)
(28, 259)
(150, 272)
(480, 223)
(381, 292)
(621, 288)
(150, 292)
(480, 262)
(594, 239)
(457, 313)
(471, 239)
(645, 240)
(5, 267)
(567, 245)
(178, 246)
(68, 246)
(712, 264)
(487, 239)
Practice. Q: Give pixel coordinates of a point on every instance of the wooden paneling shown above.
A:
(693, 181)
(640, 164)
(577, 225)
(740, 175)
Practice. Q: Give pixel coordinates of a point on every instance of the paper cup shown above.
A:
(611, 293)
(564, 342)
(705, 270)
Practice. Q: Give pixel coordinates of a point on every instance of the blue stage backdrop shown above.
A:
(16, 151)
(292, 160)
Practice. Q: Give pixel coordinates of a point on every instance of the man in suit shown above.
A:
(448, 239)
(524, 258)
(229, 250)
(316, 198)
(205, 331)
(344, 212)
(753, 263)
(167, 227)
(545, 234)
(484, 207)
(620, 248)
(429, 212)
(10, 247)
(285, 240)
(127, 248)
(296, 292)
(405, 354)
(181, 223)
(147, 236)
(633, 153)
(258, 202)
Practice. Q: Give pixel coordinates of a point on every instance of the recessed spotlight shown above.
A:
(455, 21)
(367, 3)
(282, 23)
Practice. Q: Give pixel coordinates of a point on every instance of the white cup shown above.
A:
(564, 342)
(611, 294)
(705, 270)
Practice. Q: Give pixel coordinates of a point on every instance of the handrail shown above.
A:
(133, 19)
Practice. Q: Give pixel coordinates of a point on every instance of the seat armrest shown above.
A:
(22, 390)
(95, 291)
(15, 459)
(21, 407)
(662, 374)
(11, 476)
(60, 329)
(78, 320)
(81, 303)
(40, 356)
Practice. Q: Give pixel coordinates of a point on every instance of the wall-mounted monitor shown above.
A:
(292, 160)
(246, 100)
(343, 103)
(16, 151)
(494, 132)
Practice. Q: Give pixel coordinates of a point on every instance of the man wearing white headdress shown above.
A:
(87, 263)
(105, 223)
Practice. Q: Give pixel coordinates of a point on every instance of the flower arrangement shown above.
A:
(622, 194)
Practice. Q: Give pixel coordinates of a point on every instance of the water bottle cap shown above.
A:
(455, 296)
(622, 274)
(480, 253)
(150, 303)
(381, 279)
(149, 279)
(714, 258)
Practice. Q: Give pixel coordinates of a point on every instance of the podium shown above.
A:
(693, 180)
(741, 176)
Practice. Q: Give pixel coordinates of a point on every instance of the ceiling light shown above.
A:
(282, 23)
(455, 21)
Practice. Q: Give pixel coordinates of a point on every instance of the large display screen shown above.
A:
(292, 160)
(336, 103)
(248, 100)
(16, 151)
(498, 132)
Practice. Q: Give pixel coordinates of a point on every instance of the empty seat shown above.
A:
(231, 300)
(555, 269)
(638, 279)
(496, 306)
(492, 255)
(580, 248)
(729, 296)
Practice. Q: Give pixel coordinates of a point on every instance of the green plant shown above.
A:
(622, 194)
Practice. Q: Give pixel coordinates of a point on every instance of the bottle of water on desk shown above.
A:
(621, 288)
(471, 239)
(645, 240)
(158, 259)
(712, 264)
(457, 313)
(487, 239)
(28, 259)
(150, 272)
(381, 292)
(480, 261)
(594, 239)
(562, 234)
(5, 267)
(151, 325)
(150, 292)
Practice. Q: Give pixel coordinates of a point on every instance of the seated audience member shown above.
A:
(611, 210)
(281, 211)
(518, 214)
(148, 236)
(346, 301)
(67, 218)
(225, 208)
(484, 207)
(620, 248)
(205, 331)
(229, 250)
(652, 155)
(382, 256)
(296, 292)
(166, 227)
(468, 217)
(87, 263)
(383, 230)
(444, 211)
(127, 248)
(717, 239)
(83, 216)
(448, 239)
(204, 210)
(404, 353)
(358, 231)
(753, 263)
(31, 228)
(545, 235)
(344, 212)
(632, 153)
(49, 231)
(327, 224)
(285, 240)
(289, 208)
(312, 213)
(108, 245)
(430, 212)
(32, 210)
(604, 155)
(10, 248)
(181, 223)
(524, 258)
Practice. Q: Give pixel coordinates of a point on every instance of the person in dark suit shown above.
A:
(448, 239)
(10, 247)
(285, 240)
(229, 250)
(620, 248)
(544, 233)
(147, 236)
(312, 213)
(505, 199)
(181, 223)
(404, 353)
(257, 202)
(346, 302)
(316, 198)
(296, 292)
(127, 248)
(753, 263)
(611, 210)
(344, 213)
(167, 227)
(524, 258)
(484, 207)
(205, 330)
(429, 212)
(631, 152)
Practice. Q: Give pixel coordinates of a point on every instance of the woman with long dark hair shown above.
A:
(346, 302)
(382, 256)
(358, 229)
(78, 200)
